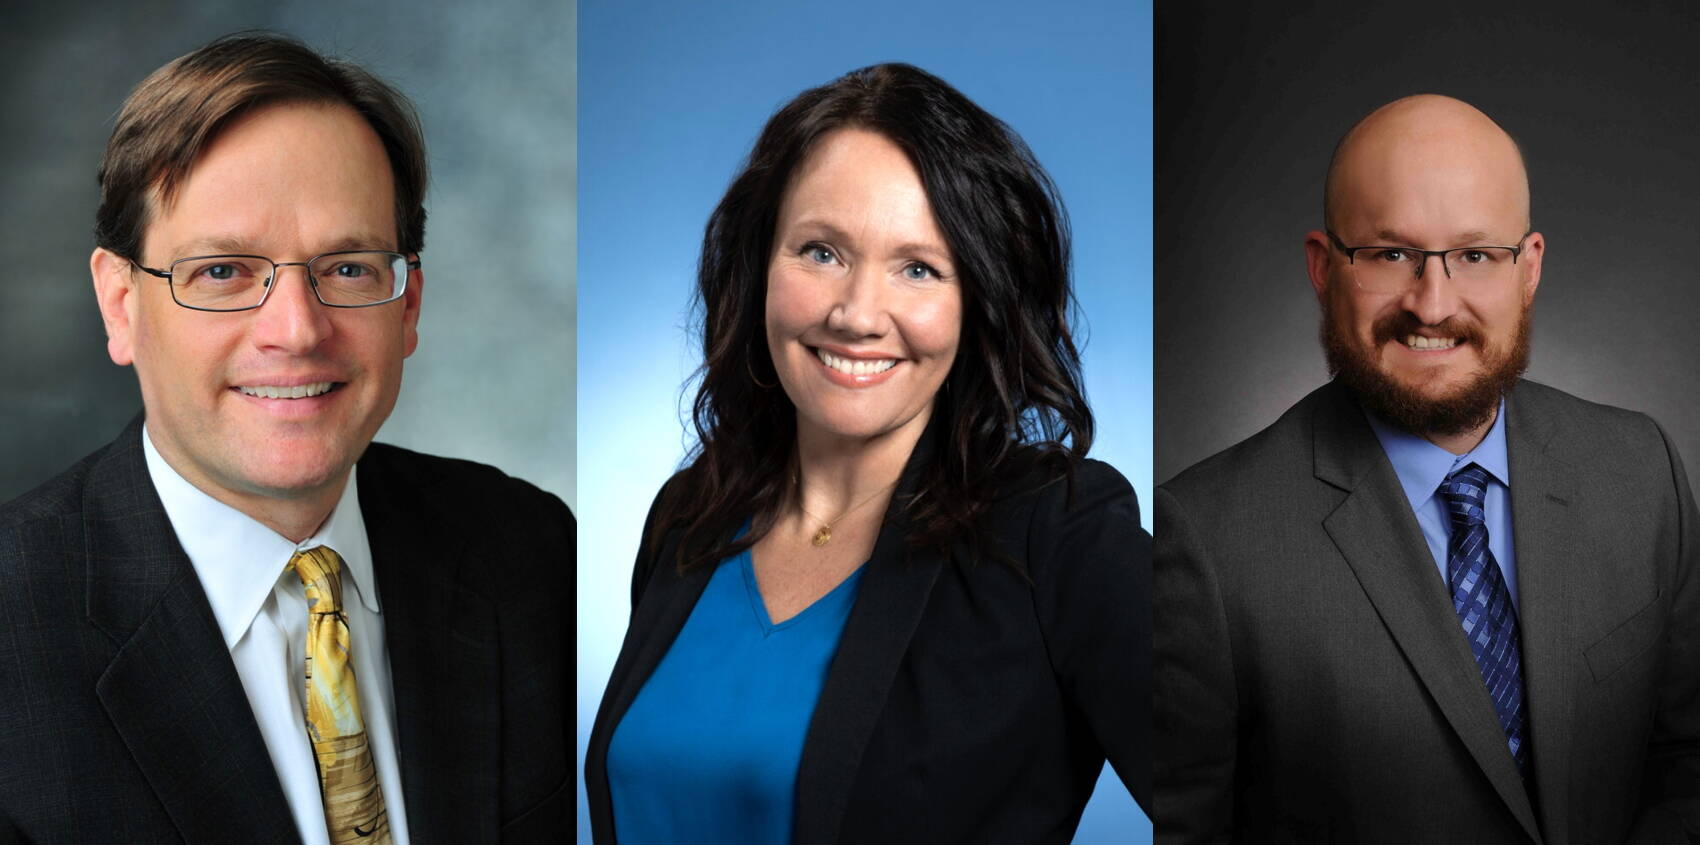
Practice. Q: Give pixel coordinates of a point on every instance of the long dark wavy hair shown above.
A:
(1013, 398)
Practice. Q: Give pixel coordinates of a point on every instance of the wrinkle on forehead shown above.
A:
(1431, 157)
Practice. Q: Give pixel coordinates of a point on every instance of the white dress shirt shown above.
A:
(261, 609)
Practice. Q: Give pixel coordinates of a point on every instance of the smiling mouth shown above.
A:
(1415, 341)
(297, 391)
(855, 366)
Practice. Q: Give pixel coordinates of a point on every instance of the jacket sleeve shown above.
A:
(1093, 588)
(1670, 805)
(1194, 696)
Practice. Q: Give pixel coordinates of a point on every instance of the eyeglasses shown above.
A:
(349, 279)
(1392, 268)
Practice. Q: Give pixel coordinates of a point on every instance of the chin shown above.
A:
(1437, 385)
(853, 424)
(285, 473)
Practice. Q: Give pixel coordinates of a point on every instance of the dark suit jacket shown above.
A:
(122, 718)
(965, 703)
(1313, 682)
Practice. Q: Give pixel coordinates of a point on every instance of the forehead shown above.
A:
(283, 176)
(1435, 171)
(859, 177)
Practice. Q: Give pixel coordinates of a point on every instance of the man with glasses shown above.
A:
(1433, 602)
(242, 621)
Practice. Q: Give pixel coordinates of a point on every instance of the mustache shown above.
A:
(1399, 325)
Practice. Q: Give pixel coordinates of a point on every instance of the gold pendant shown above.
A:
(823, 536)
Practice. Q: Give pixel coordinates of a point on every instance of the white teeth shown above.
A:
(299, 391)
(855, 366)
(1420, 342)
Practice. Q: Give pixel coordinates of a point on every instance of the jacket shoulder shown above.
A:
(458, 483)
(59, 496)
(526, 536)
(1590, 434)
(1055, 521)
(1279, 453)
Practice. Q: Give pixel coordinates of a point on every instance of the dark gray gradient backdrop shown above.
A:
(493, 379)
(1250, 101)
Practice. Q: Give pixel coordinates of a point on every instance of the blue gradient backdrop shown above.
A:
(671, 97)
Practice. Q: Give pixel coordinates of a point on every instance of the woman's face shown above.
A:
(864, 308)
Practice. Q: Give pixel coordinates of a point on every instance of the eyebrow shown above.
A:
(1462, 239)
(236, 245)
(937, 254)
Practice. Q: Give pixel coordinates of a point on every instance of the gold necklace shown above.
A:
(823, 535)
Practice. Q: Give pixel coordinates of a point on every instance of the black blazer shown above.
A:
(122, 718)
(966, 703)
(1313, 684)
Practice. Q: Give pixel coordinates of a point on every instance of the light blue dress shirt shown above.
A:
(1422, 466)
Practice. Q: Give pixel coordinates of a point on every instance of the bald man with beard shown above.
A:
(1433, 602)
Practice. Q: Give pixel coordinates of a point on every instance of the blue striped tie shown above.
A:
(1483, 605)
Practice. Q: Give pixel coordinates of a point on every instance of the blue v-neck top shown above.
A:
(708, 751)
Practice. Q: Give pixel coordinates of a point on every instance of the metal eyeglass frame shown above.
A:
(268, 284)
(1351, 251)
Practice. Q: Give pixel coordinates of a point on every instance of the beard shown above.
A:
(1461, 410)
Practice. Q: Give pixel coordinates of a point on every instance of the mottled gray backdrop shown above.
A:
(1252, 97)
(493, 379)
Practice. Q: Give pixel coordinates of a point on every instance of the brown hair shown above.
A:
(179, 109)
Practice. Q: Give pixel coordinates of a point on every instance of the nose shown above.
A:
(1432, 296)
(860, 310)
(292, 319)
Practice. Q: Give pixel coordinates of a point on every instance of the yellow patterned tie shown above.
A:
(348, 782)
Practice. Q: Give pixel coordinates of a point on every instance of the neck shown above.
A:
(836, 473)
(1464, 441)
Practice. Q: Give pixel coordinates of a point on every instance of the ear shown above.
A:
(1319, 259)
(410, 302)
(115, 292)
(1534, 250)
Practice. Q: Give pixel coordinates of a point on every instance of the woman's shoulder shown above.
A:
(1039, 479)
(1052, 513)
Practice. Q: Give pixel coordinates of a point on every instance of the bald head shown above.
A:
(1426, 162)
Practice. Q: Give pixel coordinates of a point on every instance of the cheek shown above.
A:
(933, 327)
(167, 352)
(792, 303)
(1358, 313)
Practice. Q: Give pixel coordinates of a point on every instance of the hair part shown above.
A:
(175, 113)
(1013, 396)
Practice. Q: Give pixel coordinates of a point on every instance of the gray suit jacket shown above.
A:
(122, 718)
(1314, 685)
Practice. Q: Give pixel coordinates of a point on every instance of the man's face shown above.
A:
(287, 182)
(1434, 353)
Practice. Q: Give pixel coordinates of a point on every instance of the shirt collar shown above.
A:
(239, 560)
(1422, 466)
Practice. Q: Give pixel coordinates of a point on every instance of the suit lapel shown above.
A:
(1377, 534)
(1543, 489)
(171, 690)
(444, 659)
(896, 585)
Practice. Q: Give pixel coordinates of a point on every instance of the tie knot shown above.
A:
(1464, 492)
(320, 571)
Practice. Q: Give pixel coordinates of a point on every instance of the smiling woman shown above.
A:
(889, 599)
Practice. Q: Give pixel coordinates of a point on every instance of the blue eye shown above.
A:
(819, 254)
(917, 272)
